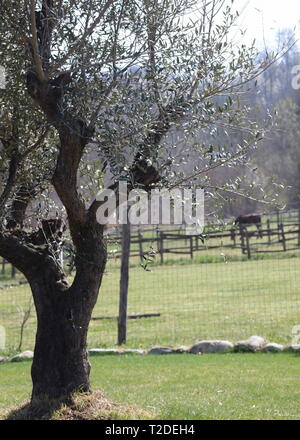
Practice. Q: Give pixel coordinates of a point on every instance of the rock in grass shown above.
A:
(24, 356)
(295, 348)
(102, 351)
(160, 350)
(110, 351)
(206, 347)
(2, 359)
(132, 351)
(272, 347)
(250, 345)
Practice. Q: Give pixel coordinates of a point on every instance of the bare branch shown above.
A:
(35, 46)
(238, 193)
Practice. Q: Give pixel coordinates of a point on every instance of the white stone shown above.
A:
(101, 351)
(272, 347)
(132, 351)
(252, 344)
(213, 346)
(24, 356)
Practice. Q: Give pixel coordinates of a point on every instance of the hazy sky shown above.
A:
(264, 17)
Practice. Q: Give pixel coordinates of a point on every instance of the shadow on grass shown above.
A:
(41, 409)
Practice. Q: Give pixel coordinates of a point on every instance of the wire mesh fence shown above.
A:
(229, 283)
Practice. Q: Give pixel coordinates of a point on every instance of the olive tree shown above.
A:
(124, 85)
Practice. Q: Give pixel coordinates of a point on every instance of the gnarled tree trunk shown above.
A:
(60, 366)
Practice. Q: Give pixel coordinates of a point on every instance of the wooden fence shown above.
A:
(280, 233)
(282, 238)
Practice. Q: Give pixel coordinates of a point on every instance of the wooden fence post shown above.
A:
(191, 247)
(161, 246)
(269, 231)
(248, 244)
(242, 235)
(283, 237)
(233, 236)
(124, 281)
(140, 246)
(278, 224)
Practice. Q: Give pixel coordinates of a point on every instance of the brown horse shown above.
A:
(249, 219)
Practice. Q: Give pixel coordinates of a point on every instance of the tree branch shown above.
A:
(13, 167)
(35, 46)
(36, 145)
(80, 42)
(64, 180)
(22, 256)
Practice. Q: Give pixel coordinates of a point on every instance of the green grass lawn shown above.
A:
(231, 300)
(185, 387)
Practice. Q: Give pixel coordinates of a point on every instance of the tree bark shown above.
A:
(60, 365)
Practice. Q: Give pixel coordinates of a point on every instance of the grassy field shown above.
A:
(214, 387)
(227, 300)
